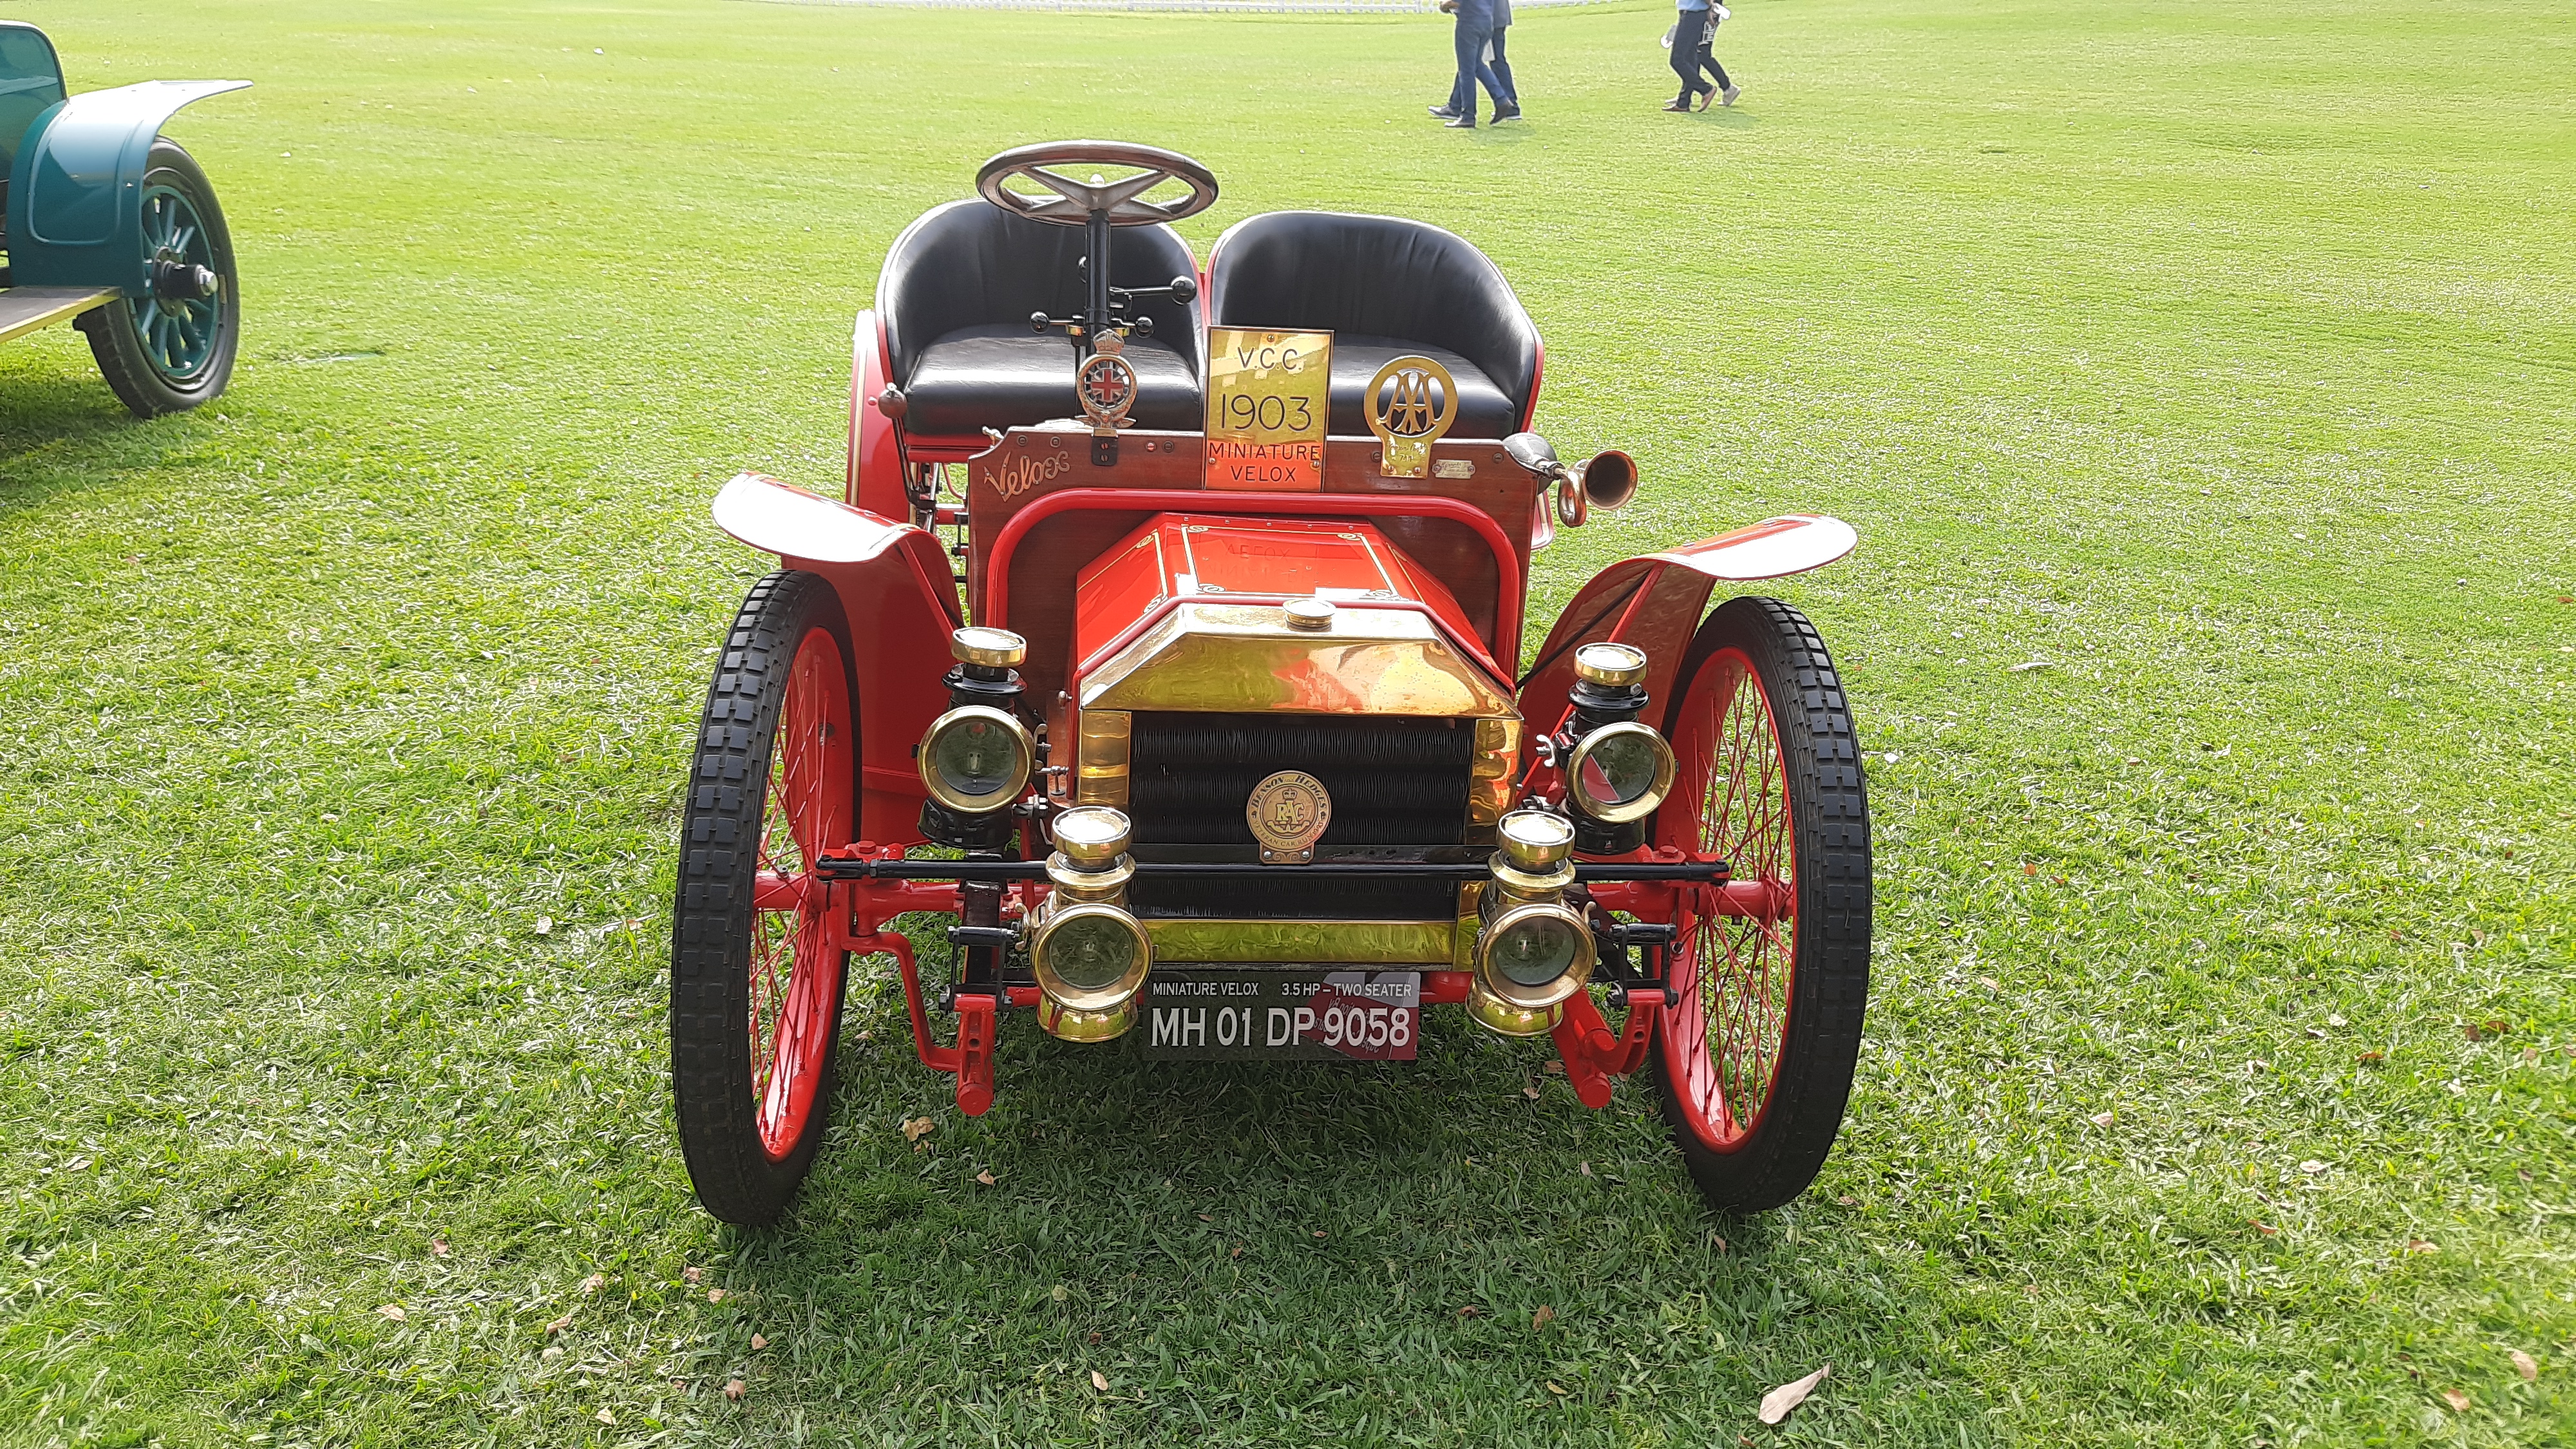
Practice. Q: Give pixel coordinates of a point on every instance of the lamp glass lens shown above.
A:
(975, 758)
(1091, 953)
(1537, 950)
(1620, 769)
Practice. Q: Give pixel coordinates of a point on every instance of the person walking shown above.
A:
(1474, 31)
(1718, 15)
(1690, 41)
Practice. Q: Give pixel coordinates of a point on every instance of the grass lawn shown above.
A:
(2217, 1092)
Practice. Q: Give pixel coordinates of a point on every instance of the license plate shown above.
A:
(1309, 1015)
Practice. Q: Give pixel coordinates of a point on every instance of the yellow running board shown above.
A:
(24, 309)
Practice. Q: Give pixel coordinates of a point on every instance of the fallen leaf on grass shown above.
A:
(1990, 983)
(715, 1295)
(693, 1274)
(1552, 1067)
(985, 1177)
(1777, 1403)
(1721, 1242)
(1556, 1388)
(1584, 1167)
(546, 927)
(2312, 1166)
(1059, 1293)
(1238, 1251)
(1543, 1317)
(2530, 1055)
(2371, 1059)
(438, 1247)
(2027, 668)
(1319, 1234)
(2029, 869)
(2266, 1229)
(1467, 1312)
(758, 1343)
(2458, 1400)
(606, 1417)
(1203, 1217)
(2102, 1119)
(594, 1282)
(392, 1312)
(1846, 1200)
(560, 1324)
(1100, 1381)
(2525, 1365)
(916, 1128)
(735, 1389)
(2337, 1022)
(2418, 1245)
(553, 1351)
(1530, 1092)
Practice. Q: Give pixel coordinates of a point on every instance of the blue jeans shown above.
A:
(1495, 76)
(1472, 33)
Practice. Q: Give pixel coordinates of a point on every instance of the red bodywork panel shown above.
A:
(1655, 603)
(1178, 556)
(875, 480)
(901, 602)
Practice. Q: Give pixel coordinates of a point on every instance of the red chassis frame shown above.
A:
(1593, 1051)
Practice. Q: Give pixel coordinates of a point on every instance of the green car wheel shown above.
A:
(172, 348)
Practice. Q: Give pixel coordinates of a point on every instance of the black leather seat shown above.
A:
(955, 296)
(1384, 287)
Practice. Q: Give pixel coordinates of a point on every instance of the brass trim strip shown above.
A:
(1353, 943)
(1100, 764)
(1489, 776)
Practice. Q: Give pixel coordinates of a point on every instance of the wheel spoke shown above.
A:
(1727, 1023)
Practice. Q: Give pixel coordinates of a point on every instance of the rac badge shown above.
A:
(1410, 403)
(1288, 813)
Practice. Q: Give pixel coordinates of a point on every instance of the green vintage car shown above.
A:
(114, 227)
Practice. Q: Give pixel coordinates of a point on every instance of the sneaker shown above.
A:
(1461, 122)
(1441, 113)
(1728, 96)
(1509, 113)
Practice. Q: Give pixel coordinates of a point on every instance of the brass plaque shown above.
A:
(1288, 813)
(1410, 403)
(1269, 399)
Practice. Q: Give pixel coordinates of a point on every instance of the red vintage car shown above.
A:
(1168, 639)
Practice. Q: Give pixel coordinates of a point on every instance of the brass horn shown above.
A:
(1608, 481)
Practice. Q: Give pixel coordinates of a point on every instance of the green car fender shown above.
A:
(76, 188)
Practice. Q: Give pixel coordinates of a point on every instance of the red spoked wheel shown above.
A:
(756, 974)
(1757, 1043)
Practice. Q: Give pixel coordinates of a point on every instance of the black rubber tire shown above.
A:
(711, 918)
(1830, 856)
(111, 329)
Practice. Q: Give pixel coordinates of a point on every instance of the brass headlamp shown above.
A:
(975, 760)
(1532, 949)
(1617, 769)
(1089, 953)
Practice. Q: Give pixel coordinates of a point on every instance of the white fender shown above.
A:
(792, 523)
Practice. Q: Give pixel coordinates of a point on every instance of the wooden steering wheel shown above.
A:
(1073, 203)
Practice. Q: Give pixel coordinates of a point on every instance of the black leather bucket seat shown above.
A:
(955, 296)
(1384, 287)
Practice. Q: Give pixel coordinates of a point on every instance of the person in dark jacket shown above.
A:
(1480, 24)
